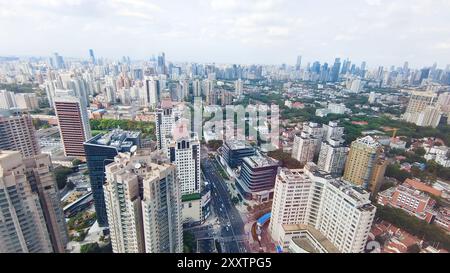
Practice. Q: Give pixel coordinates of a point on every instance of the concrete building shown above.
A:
(341, 212)
(233, 151)
(332, 157)
(17, 133)
(362, 162)
(184, 152)
(73, 122)
(305, 147)
(165, 123)
(423, 109)
(257, 177)
(238, 87)
(31, 217)
(39, 172)
(143, 204)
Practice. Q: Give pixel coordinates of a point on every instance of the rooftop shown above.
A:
(323, 241)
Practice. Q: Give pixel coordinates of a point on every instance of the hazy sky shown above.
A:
(381, 32)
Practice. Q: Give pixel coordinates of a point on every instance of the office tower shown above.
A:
(238, 87)
(57, 61)
(73, 124)
(332, 157)
(361, 166)
(100, 151)
(298, 64)
(39, 172)
(423, 109)
(7, 100)
(257, 177)
(17, 133)
(165, 123)
(184, 152)
(335, 70)
(152, 92)
(306, 199)
(196, 88)
(233, 151)
(31, 219)
(162, 69)
(143, 204)
(92, 57)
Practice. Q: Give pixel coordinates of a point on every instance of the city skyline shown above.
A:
(262, 32)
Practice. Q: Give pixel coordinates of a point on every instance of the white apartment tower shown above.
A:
(184, 152)
(165, 123)
(338, 210)
(332, 157)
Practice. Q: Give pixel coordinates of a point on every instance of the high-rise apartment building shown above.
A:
(100, 151)
(31, 217)
(238, 87)
(143, 204)
(423, 109)
(165, 123)
(17, 133)
(332, 157)
(73, 124)
(361, 167)
(339, 211)
(305, 147)
(196, 88)
(39, 172)
(184, 152)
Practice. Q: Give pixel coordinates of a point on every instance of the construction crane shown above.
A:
(394, 131)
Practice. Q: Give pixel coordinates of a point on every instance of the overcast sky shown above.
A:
(381, 32)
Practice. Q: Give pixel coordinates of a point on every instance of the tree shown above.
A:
(285, 159)
(77, 162)
(414, 248)
(90, 248)
(61, 174)
(189, 243)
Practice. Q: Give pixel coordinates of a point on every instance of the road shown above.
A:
(231, 225)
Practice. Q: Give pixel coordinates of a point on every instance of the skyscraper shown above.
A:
(362, 162)
(184, 152)
(31, 216)
(165, 123)
(92, 56)
(238, 87)
(39, 172)
(73, 124)
(335, 70)
(100, 151)
(152, 92)
(307, 143)
(143, 204)
(17, 133)
(332, 157)
(298, 64)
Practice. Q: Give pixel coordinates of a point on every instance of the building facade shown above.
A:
(17, 133)
(100, 151)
